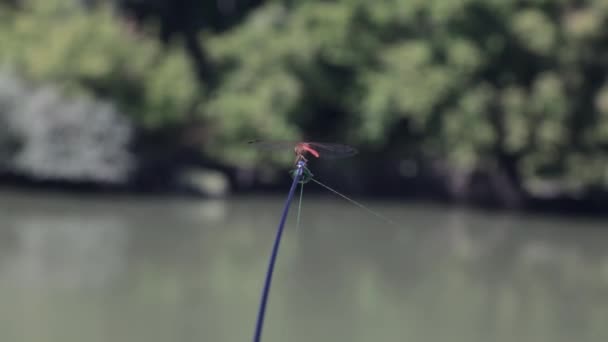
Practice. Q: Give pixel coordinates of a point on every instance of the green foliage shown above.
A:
(46, 135)
(517, 84)
(89, 51)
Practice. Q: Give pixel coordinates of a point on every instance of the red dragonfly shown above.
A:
(302, 148)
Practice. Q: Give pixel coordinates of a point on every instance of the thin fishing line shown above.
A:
(355, 203)
(299, 207)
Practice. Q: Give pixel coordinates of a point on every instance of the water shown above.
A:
(116, 269)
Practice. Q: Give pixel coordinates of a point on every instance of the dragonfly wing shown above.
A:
(333, 151)
(272, 145)
(325, 150)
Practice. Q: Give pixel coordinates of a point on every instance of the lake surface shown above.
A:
(76, 269)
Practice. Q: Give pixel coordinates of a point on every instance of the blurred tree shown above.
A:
(48, 136)
(89, 52)
(186, 19)
(513, 89)
(512, 93)
(174, 16)
(95, 72)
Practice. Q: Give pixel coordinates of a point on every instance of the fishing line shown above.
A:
(355, 203)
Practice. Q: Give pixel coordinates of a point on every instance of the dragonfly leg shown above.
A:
(300, 157)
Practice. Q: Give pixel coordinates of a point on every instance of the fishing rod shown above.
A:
(301, 175)
(298, 172)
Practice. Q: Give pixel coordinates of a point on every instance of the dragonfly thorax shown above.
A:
(302, 149)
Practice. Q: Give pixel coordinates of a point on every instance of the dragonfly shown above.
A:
(303, 148)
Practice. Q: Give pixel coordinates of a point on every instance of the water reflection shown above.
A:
(84, 269)
(59, 252)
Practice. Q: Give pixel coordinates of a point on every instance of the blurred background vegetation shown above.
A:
(500, 102)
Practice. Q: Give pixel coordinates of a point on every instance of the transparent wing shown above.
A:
(333, 151)
(273, 144)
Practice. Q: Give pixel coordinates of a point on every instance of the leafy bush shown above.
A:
(49, 136)
(509, 85)
(92, 78)
(512, 85)
(89, 51)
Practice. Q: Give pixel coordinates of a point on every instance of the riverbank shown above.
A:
(200, 182)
